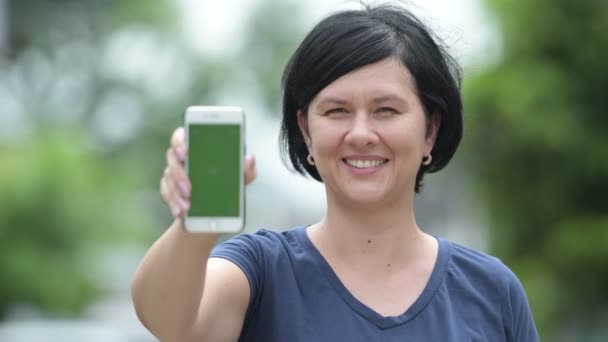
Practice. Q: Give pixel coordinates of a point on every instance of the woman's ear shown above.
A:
(432, 130)
(303, 124)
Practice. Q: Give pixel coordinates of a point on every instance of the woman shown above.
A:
(371, 104)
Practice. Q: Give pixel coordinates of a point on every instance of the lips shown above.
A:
(365, 163)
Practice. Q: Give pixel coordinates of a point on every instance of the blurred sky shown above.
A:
(462, 23)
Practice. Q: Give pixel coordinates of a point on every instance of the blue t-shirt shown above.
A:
(296, 296)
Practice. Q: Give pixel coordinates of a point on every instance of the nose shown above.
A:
(361, 133)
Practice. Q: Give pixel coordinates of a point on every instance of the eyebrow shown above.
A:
(332, 100)
(380, 99)
(386, 98)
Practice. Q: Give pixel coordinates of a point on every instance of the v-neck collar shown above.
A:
(372, 316)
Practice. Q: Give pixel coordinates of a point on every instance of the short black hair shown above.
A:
(348, 40)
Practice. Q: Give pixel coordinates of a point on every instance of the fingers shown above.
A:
(250, 170)
(177, 172)
(175, 186)
(178, 140)
(178, 144)
(168, 195)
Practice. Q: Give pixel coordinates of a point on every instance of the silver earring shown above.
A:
(310, 160)
(427, 160)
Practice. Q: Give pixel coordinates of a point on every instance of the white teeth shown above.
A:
(362, 164)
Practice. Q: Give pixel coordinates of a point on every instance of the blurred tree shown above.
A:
(90, 93)
(69, 185)
(275, 32)
(537, 135)
(59, 203)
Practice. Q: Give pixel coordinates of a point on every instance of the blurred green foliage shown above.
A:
(537, 140)
(270, 47)
(59, 203)
(99, 87)
(64, 196)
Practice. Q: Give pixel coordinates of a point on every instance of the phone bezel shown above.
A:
(212, 115)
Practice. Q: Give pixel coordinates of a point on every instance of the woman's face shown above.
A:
(368, 133)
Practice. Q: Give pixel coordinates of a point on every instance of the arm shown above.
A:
(522, 327)
(179, 293)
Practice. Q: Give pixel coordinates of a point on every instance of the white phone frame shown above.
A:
(212, 115)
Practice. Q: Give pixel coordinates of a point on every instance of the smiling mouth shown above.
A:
(364, 164)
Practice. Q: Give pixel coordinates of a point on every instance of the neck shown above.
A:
(372, 235)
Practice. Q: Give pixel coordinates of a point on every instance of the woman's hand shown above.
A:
(175, 186)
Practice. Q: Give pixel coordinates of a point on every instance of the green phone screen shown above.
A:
(214, 169)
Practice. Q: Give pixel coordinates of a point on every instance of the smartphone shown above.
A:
(216, 148)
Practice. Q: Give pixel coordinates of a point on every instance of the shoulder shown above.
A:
(484, 280)
(475, 270)
(256, 254)
(263, 241)
(270, 237)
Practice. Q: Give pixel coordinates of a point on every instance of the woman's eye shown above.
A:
(335, 111)
(386, 111)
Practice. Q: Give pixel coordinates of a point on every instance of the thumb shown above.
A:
(250, 170)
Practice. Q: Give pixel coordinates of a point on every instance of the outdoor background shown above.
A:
(90, 92)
